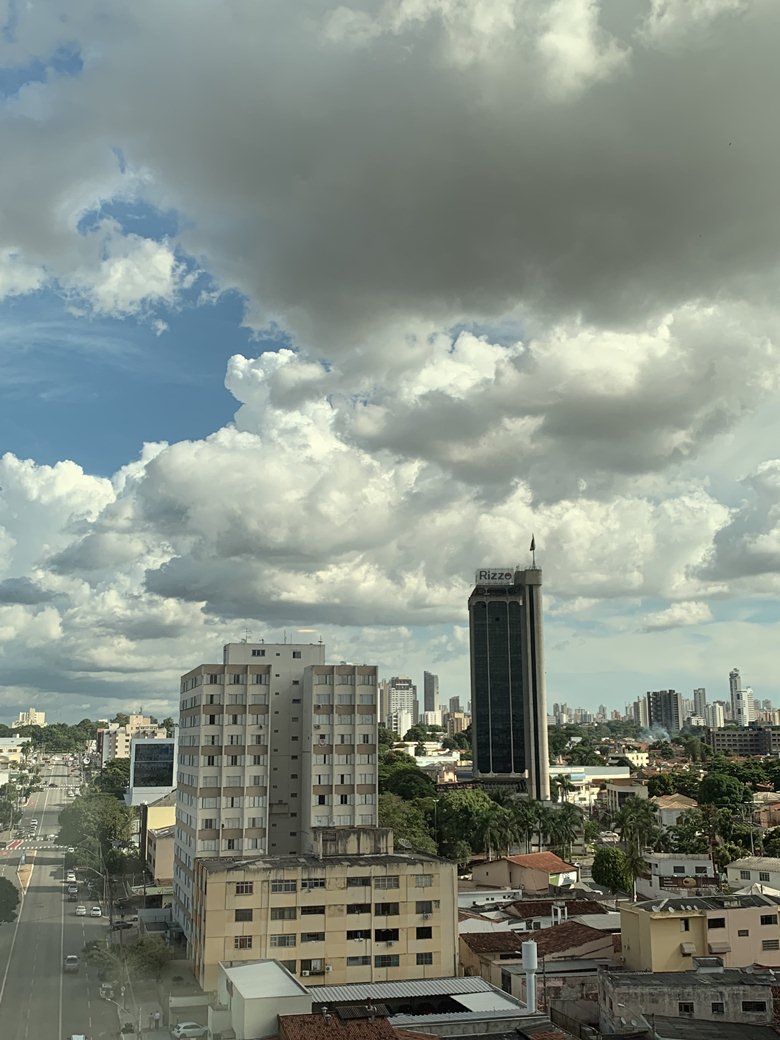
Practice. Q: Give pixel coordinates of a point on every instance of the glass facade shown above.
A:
(153, 764)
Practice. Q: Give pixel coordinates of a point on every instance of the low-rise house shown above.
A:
(618, 791)
(674, 874)
(665, 935)
(762, 869)
(664, 1004)
(487, 954)
(538, 873)
(159, 854)
(670, 807)
(767, 814)
(534, 914)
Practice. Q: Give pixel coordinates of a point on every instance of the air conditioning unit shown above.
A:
(390, 942)
(305, 974)
(328, 968)
(317, 727)
(426, 917)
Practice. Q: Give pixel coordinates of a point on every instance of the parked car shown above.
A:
(71, 964)
(188, 1029)
(118, 926)
(81, 910)
(95, 912)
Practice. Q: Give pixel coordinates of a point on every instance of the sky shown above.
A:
(309, 310)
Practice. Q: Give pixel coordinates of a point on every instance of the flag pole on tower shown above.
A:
(533, 552)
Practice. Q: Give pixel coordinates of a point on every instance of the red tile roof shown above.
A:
(528, 908)
(542, 861)
(567, 936)
(496, 942)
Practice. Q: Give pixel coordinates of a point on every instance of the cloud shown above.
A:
(679, 615)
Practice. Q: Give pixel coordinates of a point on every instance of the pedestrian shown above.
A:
(151, 1019)
(157, 1017)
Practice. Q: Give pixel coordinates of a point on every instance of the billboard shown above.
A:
(152, 763)
(495, 576)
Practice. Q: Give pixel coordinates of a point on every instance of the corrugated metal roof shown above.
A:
(358, 991)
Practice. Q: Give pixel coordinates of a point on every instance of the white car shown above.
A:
(81, 910)
(95, 912)
(188, 1029)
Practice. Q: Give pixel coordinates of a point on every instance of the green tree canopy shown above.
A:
(611, 870)
(724, 791)
(407, 821)
(9, 900)
(147, 957)
(113, 778)
(93, 824)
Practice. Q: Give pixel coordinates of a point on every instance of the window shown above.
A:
(357, 934)
(700, 870)
(386, 909)
(316, 882)
(245, 888)
(425, 958)
(423, 880)
(424, 906)
(685, 1007)
(744, 875)
(678, 870)
(284, 886)
(743, 932)
(386, 934)
(424, 933)
(242, 942)
(243, 915)
(358, 882)
(391, 881)
(768, 919)
(716, 922)
(258, 653)
(282, 940)
(718, 1007)
(685, 924)
(283, 913)
(770, 944)
(312, 937)
(387, 961)
(754, 1005)
(358, 908)
(358, 962)
(763, 875)
(209, 824)
(296, 653)
(314, 965)
(290, 965)
(309, 911)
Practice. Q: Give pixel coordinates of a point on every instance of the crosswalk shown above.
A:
(23, 844)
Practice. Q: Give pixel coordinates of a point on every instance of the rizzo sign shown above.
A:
(495, 576)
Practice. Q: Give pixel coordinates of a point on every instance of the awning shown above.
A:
(720, 947)
(687, 949)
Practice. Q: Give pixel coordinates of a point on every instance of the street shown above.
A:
(38, 1001)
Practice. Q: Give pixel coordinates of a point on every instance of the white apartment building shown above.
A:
(30, 718)
(273, 742)
(399, 698)
(714, 715)
(114, 741)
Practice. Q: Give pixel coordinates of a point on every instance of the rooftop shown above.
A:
(691, 1029)
(530, 908)
(379, 992)
(314, 863)
(558, 938)
(332, 1027)
(686, 979)
(675, 801)
(720, 902)
(261, 978)
(541, 861)
(668, 857)
(756, 863)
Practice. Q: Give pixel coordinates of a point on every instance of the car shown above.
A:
(81, 910)
(70, 875)
(77, 1036)
(95, 912)
(73, 890)
(52, 784)
(51, 837)
(188, 1029)
(118, 926)
(71, 964)
(33, 823)
(71, 849)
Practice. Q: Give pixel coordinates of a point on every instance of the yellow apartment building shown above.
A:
(666, 934)
(332, 918)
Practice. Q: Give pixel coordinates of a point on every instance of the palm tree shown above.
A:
(637, 825)
(568, 824)
(497, 831)
(565, 786)
(525, 813)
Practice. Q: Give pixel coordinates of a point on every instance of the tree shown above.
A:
(169, 725)
(462, 818)
(637, 822)
(407, 822)
(9, 900)
(147, 958)
(113, 778)
(565, 825)
(416, 733)
(611, 870)
(94, 823)
(410, 783)
(721, 790)
(386, 738)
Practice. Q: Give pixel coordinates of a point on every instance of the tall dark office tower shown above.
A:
(430, 691)
(508, 696)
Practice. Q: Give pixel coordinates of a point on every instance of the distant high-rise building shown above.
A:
(401, 694)
(640, 713)
(508, 697)
(699, 702)
(430, 691)
(665, 710)
(714, 715)
(455, 704)
(602, 711)
(30, 718)
(741, 699)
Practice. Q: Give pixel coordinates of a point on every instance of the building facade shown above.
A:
(400, 696)
(508, 696)
(741, 699)
(30, 718)
(273, 742)
(665, 710)
(745, 740)
(430, 691)
(334, 918)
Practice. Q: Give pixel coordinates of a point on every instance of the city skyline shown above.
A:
(312, 364)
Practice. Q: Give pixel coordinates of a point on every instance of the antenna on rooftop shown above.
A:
(533, 552)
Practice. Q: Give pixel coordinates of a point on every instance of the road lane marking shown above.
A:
(11, 950)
